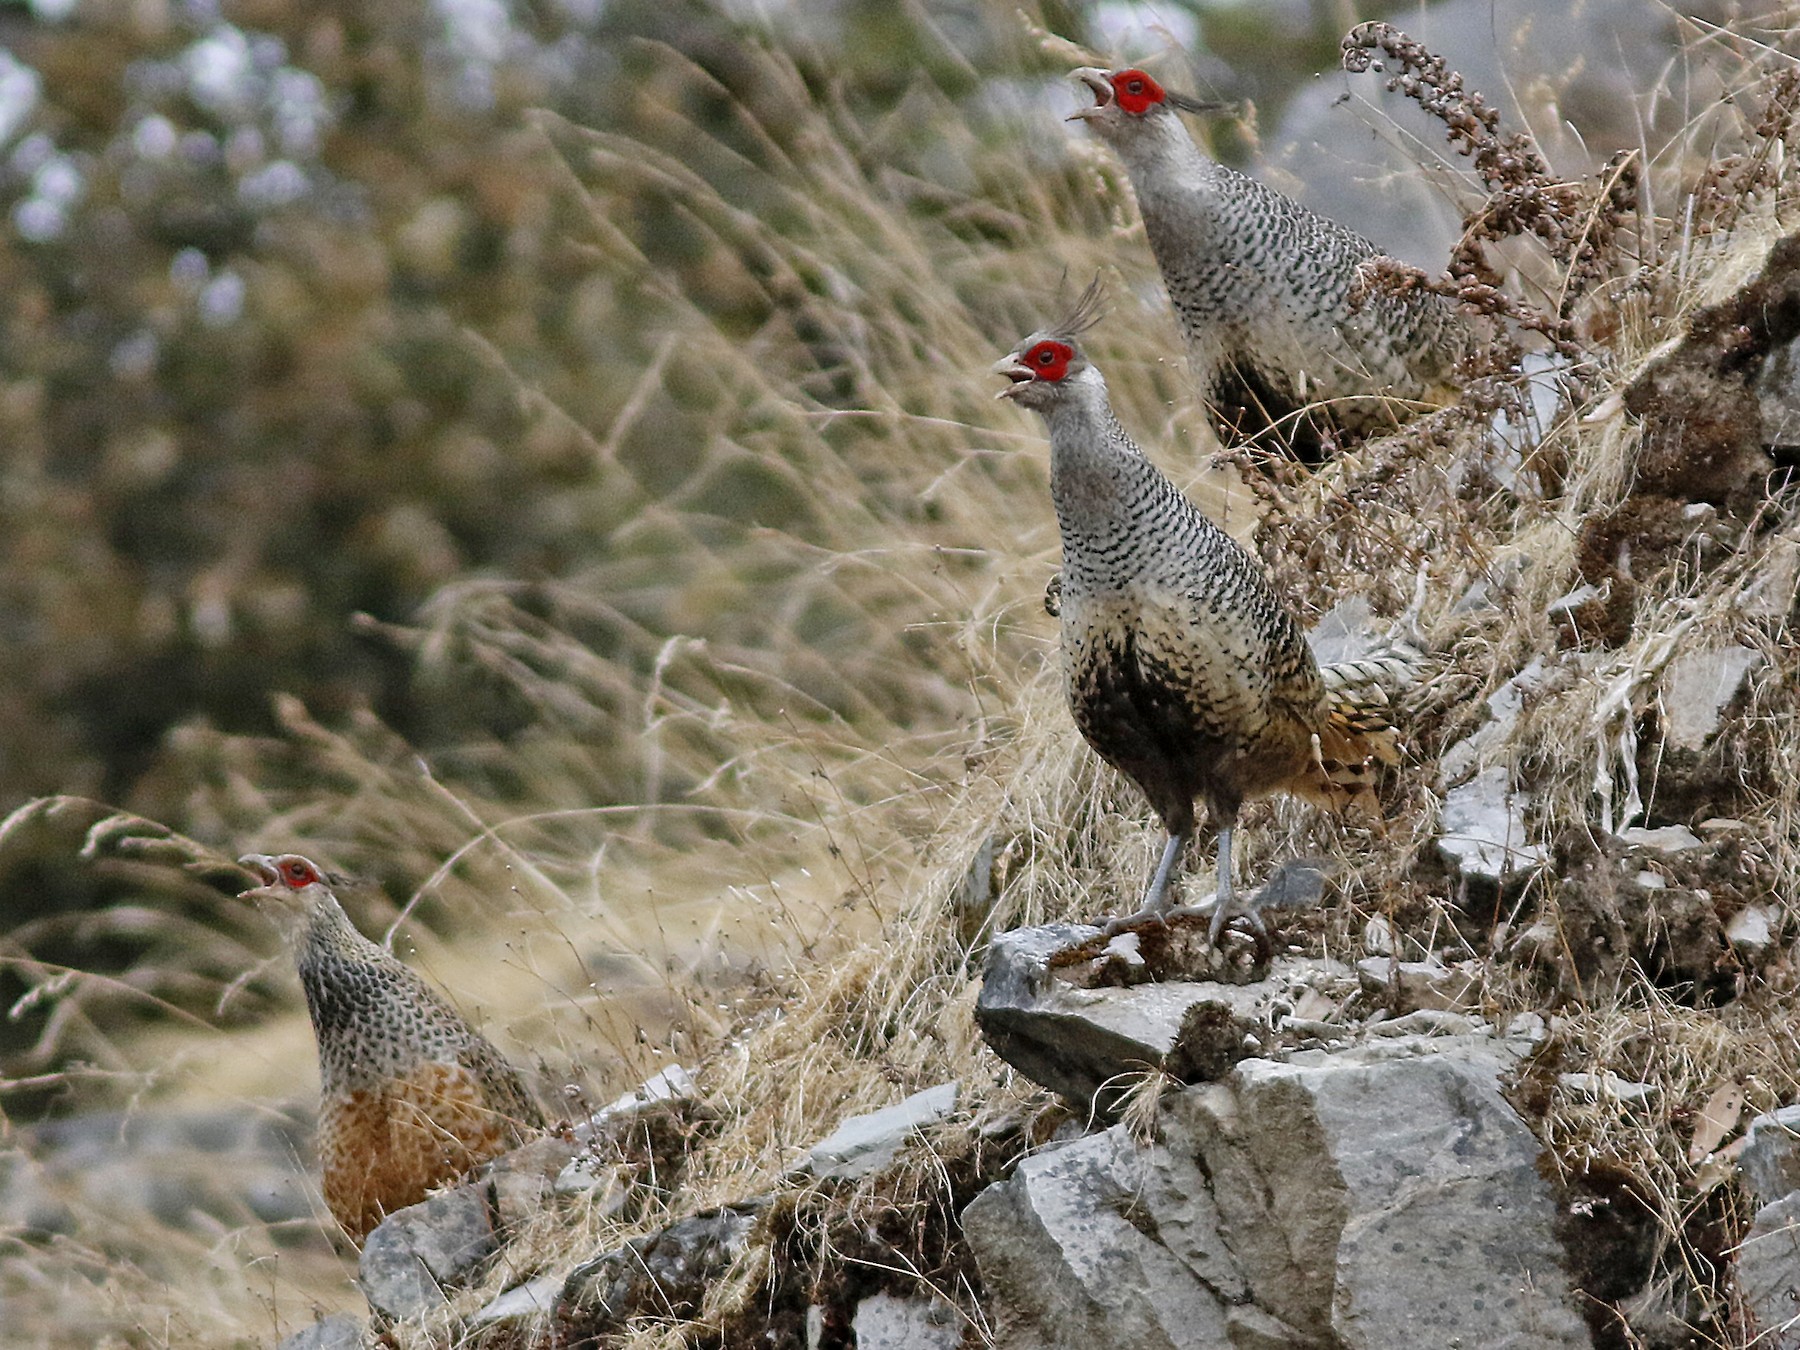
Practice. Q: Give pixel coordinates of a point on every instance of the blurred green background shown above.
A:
(279, 282)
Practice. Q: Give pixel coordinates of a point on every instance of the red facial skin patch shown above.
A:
(1136, 92)
(1050, 360)
(297, 874)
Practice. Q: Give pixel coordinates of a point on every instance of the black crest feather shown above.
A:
(1185, 103)
(1088, 310)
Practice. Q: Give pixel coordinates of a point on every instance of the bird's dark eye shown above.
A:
(1134, 86)
(1045, 357)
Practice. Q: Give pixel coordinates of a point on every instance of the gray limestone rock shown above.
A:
(535, 1298)
(1565, 605)
(1778, 398)
(1768, 1274)
(1697, 687)
(1770, 1159)
(667, 1089)
(1410, 1196)
(673, 1084)
(1607, 1087)
(1423, 984)
(1412, 1028)
(1491, 738)
(1381, 1196)
(339, 1331)
(884, 1322)
(1299, 883)
(1071, 1258)
(868, 1143)
(415, 1253)
(1042, 1011)
(1483, 829)
(1770, 595)
(522, 1181)
(1751, 930)
(1667, 840)
(665, 1274)
(608, 1185)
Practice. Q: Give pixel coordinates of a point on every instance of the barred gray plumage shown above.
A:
(1284, 324)
(1183, 668)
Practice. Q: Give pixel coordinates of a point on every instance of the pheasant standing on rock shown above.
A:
(1286, 324)
(1183, 668)
(411, 1096)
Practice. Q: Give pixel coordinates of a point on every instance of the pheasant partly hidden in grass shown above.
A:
(1183, 668)
(1285, 327)
(411, 1096)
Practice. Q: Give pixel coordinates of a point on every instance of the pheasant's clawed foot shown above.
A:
(1125, 922)
(1209, 908)
(1223, 911)
(1156, 898)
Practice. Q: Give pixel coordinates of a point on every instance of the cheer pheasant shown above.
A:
(411, 1096)
(1286, 324)
(1183, 668)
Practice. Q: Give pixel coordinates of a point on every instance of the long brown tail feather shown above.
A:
(1358, 734)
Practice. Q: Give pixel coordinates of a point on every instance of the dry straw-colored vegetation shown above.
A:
(813, 629)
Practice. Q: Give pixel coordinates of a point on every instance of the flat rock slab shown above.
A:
(535, 1298)
(869, 1142)
(1424, 984)
(673, 1086)
(1667, 840)
(1378, 1197)
(1697, 687)
(1606, 1086)
(884, 1322)
(1043, 1012)
(1482, 831)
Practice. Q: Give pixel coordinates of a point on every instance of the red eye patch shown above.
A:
(297, 873)
(1136, 92)
(1050, 360)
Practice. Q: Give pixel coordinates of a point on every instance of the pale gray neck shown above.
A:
(1161, 152)
(1097, 475)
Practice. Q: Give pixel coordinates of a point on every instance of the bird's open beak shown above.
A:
(261, 866)
(1099, 85)
(1016, 371)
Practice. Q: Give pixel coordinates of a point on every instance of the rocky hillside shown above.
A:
(1515, 1070)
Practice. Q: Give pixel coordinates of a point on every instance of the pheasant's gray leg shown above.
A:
(1226, 905)
(1156, 898)
(1224, 896)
